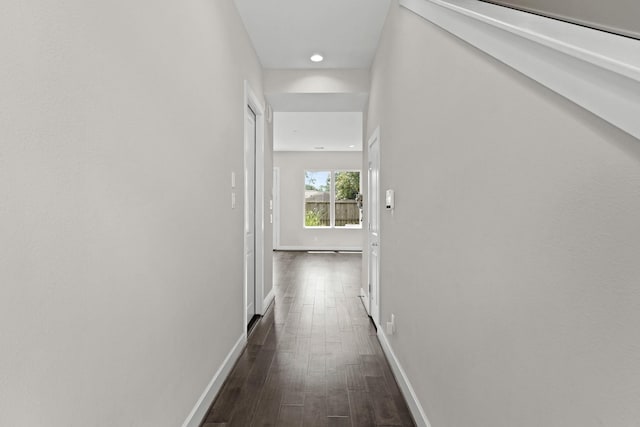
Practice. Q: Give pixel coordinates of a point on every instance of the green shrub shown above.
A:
(315, 218)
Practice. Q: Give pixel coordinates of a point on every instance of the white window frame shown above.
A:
(332, 201)
(597, 70)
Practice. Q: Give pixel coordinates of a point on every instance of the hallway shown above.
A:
(314, 359)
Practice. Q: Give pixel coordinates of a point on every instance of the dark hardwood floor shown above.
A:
(314, 358)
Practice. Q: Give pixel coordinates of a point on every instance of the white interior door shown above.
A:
(374, 226)
(250, 213)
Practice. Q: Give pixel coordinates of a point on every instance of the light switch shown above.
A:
(390, 199)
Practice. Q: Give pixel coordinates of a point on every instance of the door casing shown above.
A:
(373, 227)
(252, 101)
(250, 217)
(276, 208)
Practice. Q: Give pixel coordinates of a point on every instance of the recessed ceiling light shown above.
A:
(352, 146)
(316, 57)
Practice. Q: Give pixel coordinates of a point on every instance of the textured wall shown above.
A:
(120, 267)
(511, 260)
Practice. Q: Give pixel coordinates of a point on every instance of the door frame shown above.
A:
(252, 101)
(276, 207)
(374, 310)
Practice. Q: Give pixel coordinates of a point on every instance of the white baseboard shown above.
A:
(415, 407)
(319, 248)
(199, 411)
(268, 300)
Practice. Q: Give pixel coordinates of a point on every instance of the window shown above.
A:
(347, 200)
(332, 199)
(317, 199)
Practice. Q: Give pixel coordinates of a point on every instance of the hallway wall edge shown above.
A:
(419, 416)
(197, 414)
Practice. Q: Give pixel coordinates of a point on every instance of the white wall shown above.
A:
(293, 234)
(316, 81)
(120, 267)
(318, 90)
(511, 260)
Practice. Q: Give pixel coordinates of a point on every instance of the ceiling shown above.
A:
(286, 32)
(307, 131)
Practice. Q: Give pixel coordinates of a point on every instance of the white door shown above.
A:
(250, 213)
(374, 226)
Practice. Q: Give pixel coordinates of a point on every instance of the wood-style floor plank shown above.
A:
(266, 413)
(338, 404)
(361, 408)
(290, 416)
(339, 422)
(314, 359)
(315, 410)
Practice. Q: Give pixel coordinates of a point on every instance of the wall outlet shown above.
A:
(391, 326)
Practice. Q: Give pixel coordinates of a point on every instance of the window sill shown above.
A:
(596, 70)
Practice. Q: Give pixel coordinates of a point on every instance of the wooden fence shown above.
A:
(347, 212)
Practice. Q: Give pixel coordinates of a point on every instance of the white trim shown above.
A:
(269, 113)
(268, 300)
(319, 248)
(597, 70)
(373, 309)
(276, 207)
(251, 100)
(201, 407)
(415, 407)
